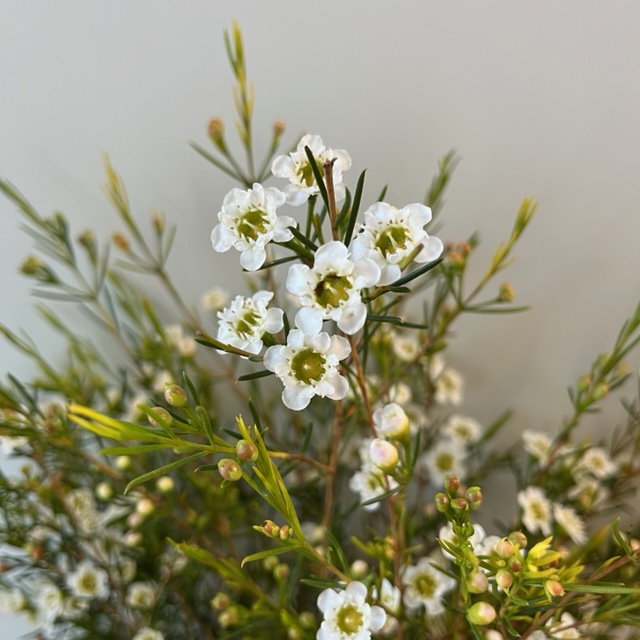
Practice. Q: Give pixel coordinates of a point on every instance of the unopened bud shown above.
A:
(158, 221)
(506, 293)
(216, 132)
(163, 415)
(383, 454)
(228, 617)
(456, 260)
(175, 395)
(452, 484)
(246, 451)
(553, 588)
(285, 532)
(359, 569)
(505, 548)
(104, 491)
(278, 130)
(270, 563)
(87, 239)
(307, 619)
(120, 241)
(504, 579)
(229, 469)
(165, 484)
(600, 391)
(270, 528)
(459, 504)
(474, 496)
(442, 502)
(584, 382)
(145, 507)
(281, 572)
(477, 582)
(220, 601)
(518, 538)
(481, 613)
(123, 463)
(514, 564)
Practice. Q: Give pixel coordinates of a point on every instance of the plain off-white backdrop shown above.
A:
(540, 99)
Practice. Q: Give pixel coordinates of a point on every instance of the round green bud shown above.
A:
(175, 395)
(229, 469)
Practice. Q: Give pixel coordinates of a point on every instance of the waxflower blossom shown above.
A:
(389, 236)
(295, 168)
(88, 581)
(214, 299)
(444, 459)
(448, 387)
(146, 633)
(391, 421)
(370, 483)
(331, 289)
(141, 595)
(462, 429)
(570, 521)
(308, 366)
(248, 221)
(537, 444)
(424, 586)
(243, 323)
(347, 616)
(596, 461)
(536, 510)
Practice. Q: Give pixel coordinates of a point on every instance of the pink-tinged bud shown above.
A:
(442, 502)
(514, 564)
(518, 538)
(505, 548)
(229, 469)
(359, 569)
(459, 504)
(553, 588)
(246, 451)
(506, 292)
(229, 617)
(481, 613)
(132, 538)
(145, 507)
(175, 395)
(163, 415)
(285, 532)
(452, 484)
(477, 582)
(215, 129)
(271, 529)
(600, 391)
(120, 241)
(474, 496)
(504, 579)
(584, 382)
(165, 484)
(281, 572)
(383, 454)
(220, 601)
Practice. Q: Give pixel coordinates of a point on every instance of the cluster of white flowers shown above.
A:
(331, 288)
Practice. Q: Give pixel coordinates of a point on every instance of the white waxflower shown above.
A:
(141, 595)
(400, 393)
(49, 602)
(331, 289)
(9, 444)
(214, 299)
(537, 444)
(370, 483)
(571, 523)
(295, 168)
(82, 508)
(597, 462)
(536, 510)
(243, 323)
(308, 366)
(88, 581)
(406, 346)
(184, 344)
(424, 586)
(448, 387)
(11, 601)
(588, 492)
(462, 429)
(146, 633)
(248, 221)
(391, 421)
(444, 459)
(74, 608)
(476, 539)
(347, 616)
(389, 235)
(391, 599)
(565, 628)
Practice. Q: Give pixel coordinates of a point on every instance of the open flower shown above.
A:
(248, 221)
(88, 581)
(536, 510)
(424, 586)
(370, 483)
(389, 236)
(295, 168)
(347, 616)
(243, 323)
(331, 289)
(444, 459)
(462, 429)
(570, 521)
(308, 366)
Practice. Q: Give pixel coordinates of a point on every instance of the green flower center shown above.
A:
(391, 239)
(426, 585)
(306, 173)
(247, 323)
(445, 462)
(308, 366)
(88, 583)
(538, 510)
(333, 290)
(349, 619)
(252, 224)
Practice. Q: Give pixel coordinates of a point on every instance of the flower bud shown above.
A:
(163, 415)
(474, 496)
(518, 538)
(383, 454)
(270, 528)
(514, 564)
(278, 130)
(270, 563)
(215, 130)
(600, 391)
(505, 548)
(459, 504)
(285, 532)
(228, 617)
(281, 572)
(584, 382)
(31, 266)
(452, 484)
(120, 240)
(246, 451)
(158, 221)
(175, 395)
(307, 619)
(553, 588)
(504, 579)
(442, 502)
(132, 538)
(506, 293)
(477, 582)
(87, 239)
(220, 601)
(123, 463)
(165, 484)
(481, 613)
(145, 507)
(229, 469)
(359, 569)
(104, 491)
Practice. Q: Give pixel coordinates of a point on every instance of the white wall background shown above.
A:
(540, 98)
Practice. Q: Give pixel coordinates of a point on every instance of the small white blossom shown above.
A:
(565, 628)
(571, 522)
(184, 344)
(295, 168)
(49, 602)
(308, 366)
(448, 387)
(11, 601)
(588, 492)
(331, 289)
(538, 445)
(391, 421)
(383, 454)
(347, 616)
(164, 378)
(74, 608)
(10, 444)
(88, 581)
(400, 393)
(424, 586)
(597, 462)
(246, 320)
(389, 236)
(248, 222)
(214, 299)
(370, 483)
(141, 595)
(444, 459)
(391, 599)
(462, 429)
(406, 346)
(536, 510)
(146, 633)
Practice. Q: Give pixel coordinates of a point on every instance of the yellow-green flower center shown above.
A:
(445, 462)
(426, 585)
(252, 224)
(538, 510)
(88, 583)
(306, 173)
(391, 239)
(332, 290)
(308, 366)
(247, 323)
(349, 619)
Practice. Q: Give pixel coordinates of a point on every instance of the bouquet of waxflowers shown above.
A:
(289, 461)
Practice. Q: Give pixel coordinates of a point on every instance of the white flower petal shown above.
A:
(297, 398)
(253, 259)
(309, 320)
